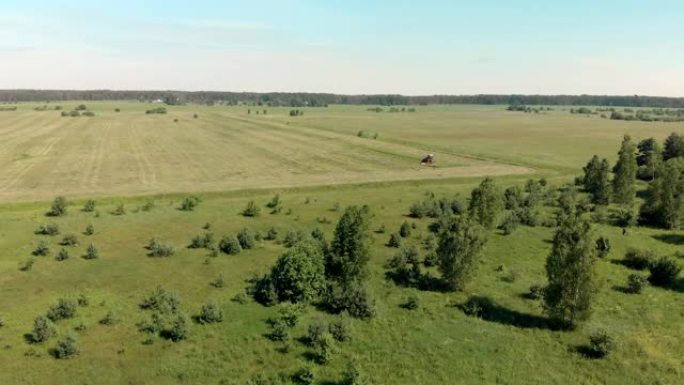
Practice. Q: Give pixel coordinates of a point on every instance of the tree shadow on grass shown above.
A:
(586, 351)
(485, 308)
(673, 239)
(622, 289)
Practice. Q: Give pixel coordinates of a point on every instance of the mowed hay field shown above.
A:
(131, 152)
(114, 157)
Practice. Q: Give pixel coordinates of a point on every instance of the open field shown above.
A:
(116, 156)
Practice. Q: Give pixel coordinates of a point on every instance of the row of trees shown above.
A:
(663, 169)
(301, 99)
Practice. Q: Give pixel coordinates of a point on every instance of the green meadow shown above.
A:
(318, 163)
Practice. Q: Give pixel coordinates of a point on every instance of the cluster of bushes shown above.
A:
(166, 318)
(155, 248)
(432, 207)
(296, 112)
(6, 108)
(526, 109)
(664, 271)
(157, 110)
(365, 134)
(313, 271)
(189, 203)
(654, 115)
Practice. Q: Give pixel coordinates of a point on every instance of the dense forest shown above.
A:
(301, 99)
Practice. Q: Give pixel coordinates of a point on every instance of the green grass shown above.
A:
(436, 344)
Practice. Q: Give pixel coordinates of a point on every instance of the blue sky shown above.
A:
(351, 46)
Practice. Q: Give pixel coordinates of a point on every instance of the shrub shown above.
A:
(252, 210)
(58, 208)
(83, 300)
(119, 210)
(352, 374)
(279, 331)
(189, 203)
(27, 265)
(230, 245)
(69, 240)
(431, 259)
(509, 224)
(162, 301)
(602, 247)
(179, 329)
(64, 309)
(81, 107)
(305, 375)
(49, 229)
(639, 259)
(246, 238)
(263, 290)
(148, 206)
(293, 237)
(63, 255)
(202, 241)
(218, 283)
(405, 230)
(66, 348)
(394, 241)
(210, 313)
(108, 319)
(664, 272)
(89, 113)
(412, 303)
(42, 329)
(601, 344)
(636, 283)
(340, 329)
(41, 249)
(91, 252)
(275, 203)
(325, 348)
(352, 298)
(536, 292)
(2, 322)
(315, 332)
(157, 249)
(89, 230)
(272, 234)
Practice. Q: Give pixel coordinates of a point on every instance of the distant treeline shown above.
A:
(301, 99)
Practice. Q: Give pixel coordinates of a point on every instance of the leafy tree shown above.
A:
(649, 158)
(486, 203)
(513, 198)
(597, 180)
(570, 269)
(664, 205)
(458, 252)
(674, 146)
(350, 247)
(299, 273)
(58, 208)
(625, 173)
